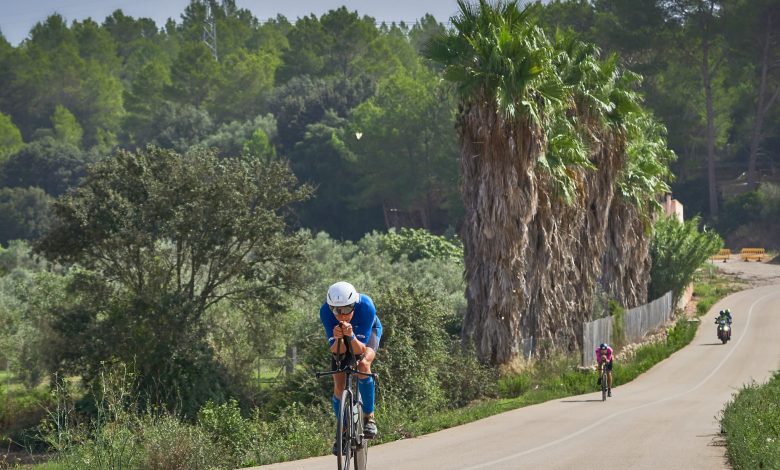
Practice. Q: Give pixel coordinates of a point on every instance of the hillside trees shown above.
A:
(753, 33)
(10, 137)
(406, 151)
(159, 240)
(127, 84)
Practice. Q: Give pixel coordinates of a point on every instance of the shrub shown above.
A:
(227, 427)
(296, 432)
(677, 250)
(413, 346)
(417, 244)
(169, 444)
(750, 423)
(617, 312)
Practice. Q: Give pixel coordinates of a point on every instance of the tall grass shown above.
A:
(751, 426)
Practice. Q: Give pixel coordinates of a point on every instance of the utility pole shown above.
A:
(209, 35)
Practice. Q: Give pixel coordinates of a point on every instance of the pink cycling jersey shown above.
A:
(609, 354)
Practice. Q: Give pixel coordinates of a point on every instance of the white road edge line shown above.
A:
(608, 417)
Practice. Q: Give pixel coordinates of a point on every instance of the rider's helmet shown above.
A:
(604, 346)
(341, 294)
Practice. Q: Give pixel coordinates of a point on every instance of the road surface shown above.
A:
(666, 418)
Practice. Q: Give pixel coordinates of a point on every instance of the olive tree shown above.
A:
(157, 239)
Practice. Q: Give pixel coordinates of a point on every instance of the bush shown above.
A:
(417, 244)
(227, 427)
(412, 348)
(751, 423)
(296, 432)
(677, 250)
(167, 443)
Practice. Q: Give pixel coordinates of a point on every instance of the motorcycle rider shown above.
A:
(724, 315)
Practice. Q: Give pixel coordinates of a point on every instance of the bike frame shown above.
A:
(604, 379)
(349, 425)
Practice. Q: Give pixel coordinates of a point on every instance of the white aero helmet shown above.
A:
(341, 294)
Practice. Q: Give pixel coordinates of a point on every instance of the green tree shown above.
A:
(46, 163)
(49, 71)
(304, 101)
(193, 75)
(10, 137)
(143, 100)
(238, 138)
(178, 126)
(163, 238)
(260, 146)
(678, 250)
(501, 66)
(545, 128)
(129, 33)
(25, 213)
(66, 128)
(96, 43)
(244, 80)
(323, 159)
(407, 155)
(327, 46)
(753, 33)
(701, 34)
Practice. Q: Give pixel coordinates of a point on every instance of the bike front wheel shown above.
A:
(604, 387)
(344, 431)
(360, 452)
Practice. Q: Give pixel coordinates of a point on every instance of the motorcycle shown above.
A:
(724, 330)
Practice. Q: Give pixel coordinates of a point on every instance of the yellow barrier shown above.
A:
(724, 254)
(748, 254)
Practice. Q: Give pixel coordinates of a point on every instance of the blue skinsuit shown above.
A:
(364, 322)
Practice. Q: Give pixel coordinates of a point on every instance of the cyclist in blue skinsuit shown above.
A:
(352, 316)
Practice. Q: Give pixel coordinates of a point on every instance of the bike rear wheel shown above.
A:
(344, 432)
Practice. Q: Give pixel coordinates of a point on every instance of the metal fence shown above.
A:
(637, 322)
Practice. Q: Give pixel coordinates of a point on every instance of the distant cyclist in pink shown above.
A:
(604, 355)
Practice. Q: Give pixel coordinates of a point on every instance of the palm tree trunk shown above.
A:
(500, 200)
(626, 262)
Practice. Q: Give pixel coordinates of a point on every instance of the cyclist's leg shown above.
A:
(366, 385)
(609, 375)
(339, 382)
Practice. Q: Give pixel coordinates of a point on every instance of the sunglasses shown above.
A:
(345, 310)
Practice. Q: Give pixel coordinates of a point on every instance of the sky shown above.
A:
(17, 17)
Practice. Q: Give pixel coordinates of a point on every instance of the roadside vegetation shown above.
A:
(416, 281)
(750, 424)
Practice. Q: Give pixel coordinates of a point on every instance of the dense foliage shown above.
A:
(749, 423)
(678, 249)
(158, 239)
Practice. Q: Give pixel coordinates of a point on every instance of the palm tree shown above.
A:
(544, 129)
(501, 64)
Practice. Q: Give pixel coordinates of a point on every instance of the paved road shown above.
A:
(666, 418)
